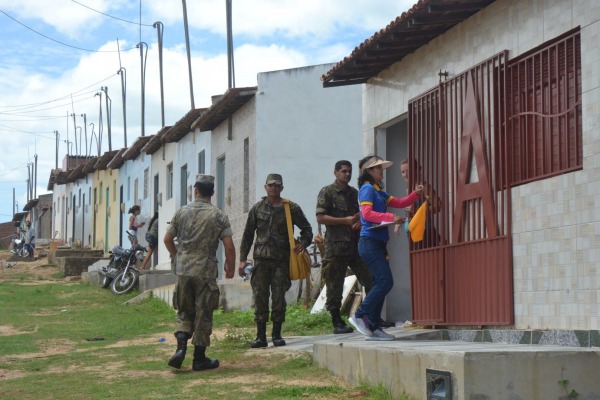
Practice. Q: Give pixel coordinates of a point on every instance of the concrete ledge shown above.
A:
(479, 370)
(72, 266)
(150, 280)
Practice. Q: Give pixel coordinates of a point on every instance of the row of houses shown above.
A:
(287, 124)
(496, 102)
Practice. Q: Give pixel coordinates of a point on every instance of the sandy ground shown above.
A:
(13, 267)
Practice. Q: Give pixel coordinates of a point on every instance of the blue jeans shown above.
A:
(374, 253)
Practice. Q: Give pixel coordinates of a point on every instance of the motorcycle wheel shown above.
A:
(124, 283)
(105, 282)
(23, 252)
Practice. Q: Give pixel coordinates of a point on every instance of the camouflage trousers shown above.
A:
(333, 271)
(197, 298)
(270, 277)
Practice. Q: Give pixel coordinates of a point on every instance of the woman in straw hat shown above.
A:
(374, 235)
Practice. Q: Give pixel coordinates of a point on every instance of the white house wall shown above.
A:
(556, 221)
(83, 211)
(302, 129)
(128, 173)
(160, 159)
(58, 194)
(244, 126)
(187, 150)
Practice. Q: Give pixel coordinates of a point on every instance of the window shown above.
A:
(544, 125)
(128, 188)
(79, 197)
(169, 181)
(183, 186)
(202, 162)
(100, 198)
(114, 191)
(146, 178)
(135, 191)
(89, 196)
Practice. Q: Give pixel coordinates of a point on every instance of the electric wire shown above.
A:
(60, 98)
(110, 16)
(58, 41)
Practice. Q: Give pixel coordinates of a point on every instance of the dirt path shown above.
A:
(38, 271)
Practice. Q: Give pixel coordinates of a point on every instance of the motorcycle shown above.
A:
(19, 248)
(121, 273)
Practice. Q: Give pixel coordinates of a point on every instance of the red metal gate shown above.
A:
(461, 273)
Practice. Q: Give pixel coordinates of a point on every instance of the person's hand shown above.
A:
(397, 229)
(355, 218)
(142, 224)
(408, 212)
(419, 189)
(398, 220)
(241, 268)
(299, 248)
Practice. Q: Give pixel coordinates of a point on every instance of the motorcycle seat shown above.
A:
(120, 251)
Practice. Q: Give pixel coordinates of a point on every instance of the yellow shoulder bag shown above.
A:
(299, 263)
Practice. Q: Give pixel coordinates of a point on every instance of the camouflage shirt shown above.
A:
(272, 241)
(198, 228)
(337, 202)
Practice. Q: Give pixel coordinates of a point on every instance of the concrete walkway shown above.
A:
(415, 364)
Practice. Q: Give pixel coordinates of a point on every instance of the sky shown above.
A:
(56, 56)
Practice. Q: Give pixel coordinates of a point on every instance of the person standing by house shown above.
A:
(271, 257)
(152, 239)
(337, 209)
(373, 240)
(198, 228)
(434, 205)
(30, 238)
(134, 224)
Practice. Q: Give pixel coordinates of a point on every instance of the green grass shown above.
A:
(46, 352)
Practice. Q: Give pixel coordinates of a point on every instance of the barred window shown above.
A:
(544, 124)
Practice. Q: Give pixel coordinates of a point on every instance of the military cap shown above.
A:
(207, 179)
(274, 178)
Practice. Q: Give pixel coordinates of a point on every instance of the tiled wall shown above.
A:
(556, 221)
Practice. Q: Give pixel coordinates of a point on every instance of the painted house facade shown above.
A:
(287, 124)
(495, 104)
(162, 157)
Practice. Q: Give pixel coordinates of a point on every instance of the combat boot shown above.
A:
(276, 335)
(339, 326)
(201, 362)
(261, 336)
(179, 356)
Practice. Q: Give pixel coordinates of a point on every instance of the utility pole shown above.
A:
(187, 45)
(75, 133)
(57, 139)
(141, 46)
(109, 116)
(85, 127)
(35, 181)
(159, 29)
(123, 73)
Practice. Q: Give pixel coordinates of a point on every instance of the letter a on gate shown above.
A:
(473, 149)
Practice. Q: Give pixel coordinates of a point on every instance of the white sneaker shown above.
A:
(361, 325)
(379, 334)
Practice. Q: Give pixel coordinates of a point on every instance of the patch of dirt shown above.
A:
(6, 374)
(7, 330)
(39, 270)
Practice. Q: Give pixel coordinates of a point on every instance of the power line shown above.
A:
(28, 132)
(15, 112)
(111, 16)
(62, 43)
(68, 96)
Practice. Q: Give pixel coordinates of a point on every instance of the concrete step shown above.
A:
(409, 365)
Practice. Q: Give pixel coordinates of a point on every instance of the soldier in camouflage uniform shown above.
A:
(271, 257)
(337, 208)
(198, 228)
